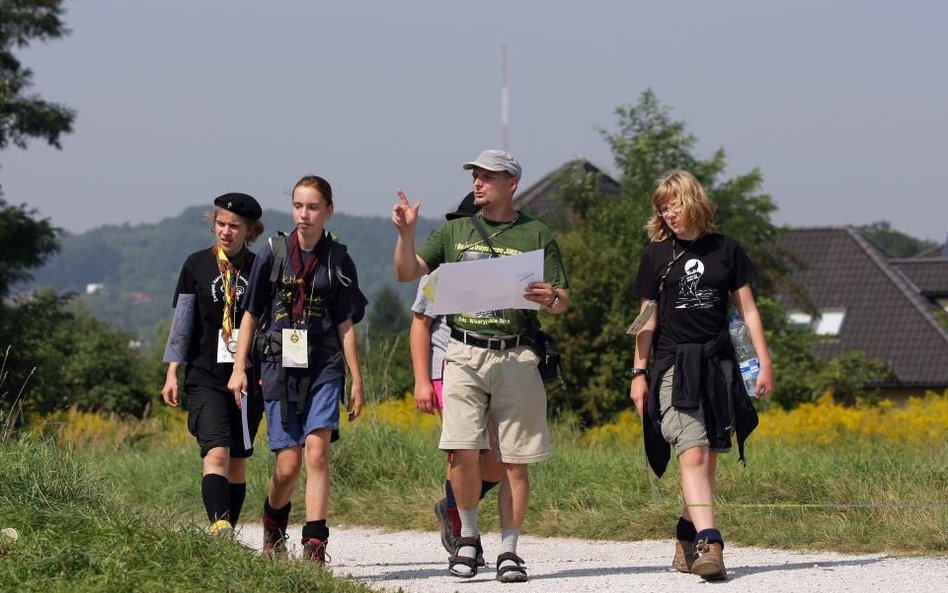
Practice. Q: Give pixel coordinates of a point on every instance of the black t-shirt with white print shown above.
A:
(201, 276)
(694, 302)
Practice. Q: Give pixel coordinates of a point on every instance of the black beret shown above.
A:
(240, 204)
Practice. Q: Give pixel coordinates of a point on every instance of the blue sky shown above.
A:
(840, 104)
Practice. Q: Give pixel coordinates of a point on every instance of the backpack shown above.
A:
(278, 245)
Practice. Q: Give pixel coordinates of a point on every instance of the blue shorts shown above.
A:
(321, 410)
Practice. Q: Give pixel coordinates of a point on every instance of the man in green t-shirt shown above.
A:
(490, 365)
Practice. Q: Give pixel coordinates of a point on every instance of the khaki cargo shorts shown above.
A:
(503, 385)
(683, 429)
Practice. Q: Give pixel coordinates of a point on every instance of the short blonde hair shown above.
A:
(696, 210)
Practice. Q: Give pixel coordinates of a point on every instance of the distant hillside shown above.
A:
(137, 266)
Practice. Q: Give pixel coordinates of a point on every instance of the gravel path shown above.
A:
(415, 562)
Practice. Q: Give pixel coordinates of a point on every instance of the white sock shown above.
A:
(468, 529)
(508, 543)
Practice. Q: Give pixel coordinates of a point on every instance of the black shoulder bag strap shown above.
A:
(476, 221)
(645, 314)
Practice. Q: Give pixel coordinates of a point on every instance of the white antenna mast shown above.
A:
(504, 101)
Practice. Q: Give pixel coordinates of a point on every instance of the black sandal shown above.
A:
(511, 574)
(468, 561)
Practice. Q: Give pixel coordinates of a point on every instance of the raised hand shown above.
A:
(404, 215)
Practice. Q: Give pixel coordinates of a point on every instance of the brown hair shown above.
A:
(696, 210)
(318, 183)
(254, 227)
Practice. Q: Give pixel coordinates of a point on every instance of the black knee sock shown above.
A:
(486, 487)
(316, 529)
(685, 530)
(237, 494)
(281, 516)
(216, 494)
(712, 536)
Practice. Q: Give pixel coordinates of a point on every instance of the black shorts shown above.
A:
(215, 420)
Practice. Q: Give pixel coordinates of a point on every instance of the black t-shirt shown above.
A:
(327, 305)
(694, 302)
(200, 276)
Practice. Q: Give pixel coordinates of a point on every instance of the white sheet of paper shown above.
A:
(487, 284)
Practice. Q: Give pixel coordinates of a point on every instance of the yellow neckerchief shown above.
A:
(229, 280)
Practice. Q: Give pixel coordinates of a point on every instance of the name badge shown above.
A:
(226, 349)
(294, 348)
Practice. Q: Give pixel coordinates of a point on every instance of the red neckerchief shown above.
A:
(309, 270)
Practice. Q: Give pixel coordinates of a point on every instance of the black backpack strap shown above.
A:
(337, 254)
(279, 249)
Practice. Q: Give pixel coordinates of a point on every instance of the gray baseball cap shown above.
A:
(495, 160)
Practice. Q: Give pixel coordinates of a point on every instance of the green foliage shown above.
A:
(139, 264)
(25, 243)
(851, 375)
(80, 362)
(386, 365)
(893, 242)
(389, 315)
(24, 116)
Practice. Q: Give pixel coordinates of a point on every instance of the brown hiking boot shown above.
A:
(314, 549)
(684, 555)
(274, 537)
(710, 562)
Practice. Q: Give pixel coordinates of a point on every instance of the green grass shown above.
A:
(78, 534)
(131, 519)
(884, 498)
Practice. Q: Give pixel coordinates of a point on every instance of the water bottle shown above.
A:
(746, 355)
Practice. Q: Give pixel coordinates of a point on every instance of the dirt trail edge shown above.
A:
(415, 562)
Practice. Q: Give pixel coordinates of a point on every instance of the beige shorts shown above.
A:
(503, 385)
(683, 429)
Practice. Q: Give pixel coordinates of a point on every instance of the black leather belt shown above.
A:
(491, 343)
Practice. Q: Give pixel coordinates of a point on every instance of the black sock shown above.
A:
(281, 516)
(316, 529)
(486, 487)
(685, 530)
(237, 494)
(712, 536)
(215, 490)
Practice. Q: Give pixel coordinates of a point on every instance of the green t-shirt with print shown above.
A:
(458, 240)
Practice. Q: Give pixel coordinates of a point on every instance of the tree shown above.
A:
(25, 116)
(605, 241)
(893, 242)
(388, 315)
(25, 241)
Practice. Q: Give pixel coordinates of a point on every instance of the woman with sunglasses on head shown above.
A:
(692, 398)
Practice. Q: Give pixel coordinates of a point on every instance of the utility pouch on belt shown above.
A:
(549, 354)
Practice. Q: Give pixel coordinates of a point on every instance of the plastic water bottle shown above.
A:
(746, 355)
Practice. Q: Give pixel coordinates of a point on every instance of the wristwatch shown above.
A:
(635, 372)
(556, 299)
